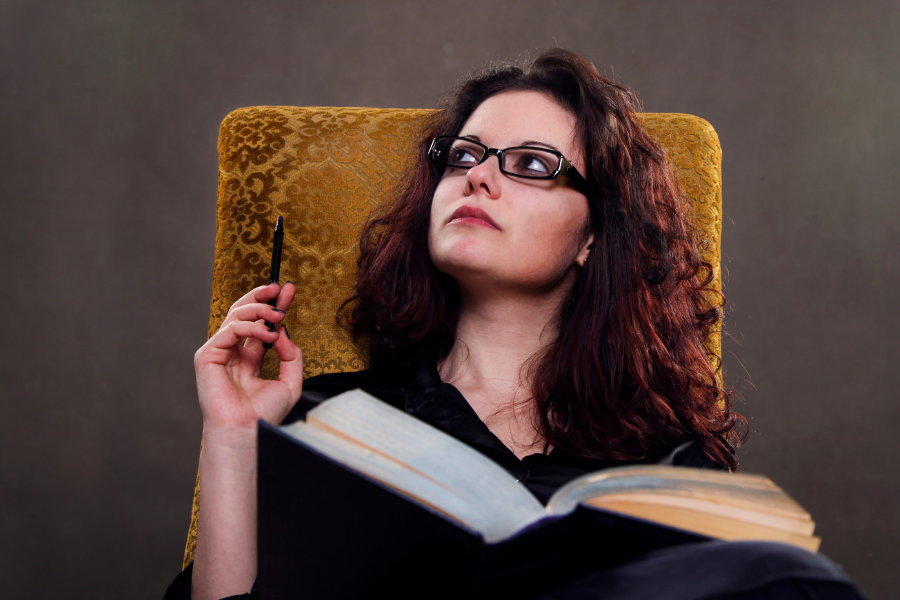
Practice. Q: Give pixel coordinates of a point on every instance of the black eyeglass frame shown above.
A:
(563, 167)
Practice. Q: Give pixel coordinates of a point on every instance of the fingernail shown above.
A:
(278, 310)
(286, 331)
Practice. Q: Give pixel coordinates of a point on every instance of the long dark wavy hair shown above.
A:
(628, 375)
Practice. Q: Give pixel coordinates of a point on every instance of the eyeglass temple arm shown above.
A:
(569, 170)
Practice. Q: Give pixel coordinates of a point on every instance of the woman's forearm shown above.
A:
(225, 556)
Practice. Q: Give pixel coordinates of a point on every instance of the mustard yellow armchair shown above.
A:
(324, 169)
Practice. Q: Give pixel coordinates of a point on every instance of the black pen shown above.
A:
(275, 269)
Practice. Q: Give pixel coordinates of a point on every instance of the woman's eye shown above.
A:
(461, 156)
(532, 164)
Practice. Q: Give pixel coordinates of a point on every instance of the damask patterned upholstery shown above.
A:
(324, 170)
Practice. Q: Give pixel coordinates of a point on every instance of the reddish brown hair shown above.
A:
(628, 376)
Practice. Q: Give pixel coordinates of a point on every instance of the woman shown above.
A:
(534, 290)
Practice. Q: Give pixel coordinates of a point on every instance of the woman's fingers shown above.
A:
(254, 312)
(261, 295)
(282, 302)
(253, 308)
(286, 296)
(274, 317)
(290, 371)
(255, 346)
(255, 304)
(233, 334)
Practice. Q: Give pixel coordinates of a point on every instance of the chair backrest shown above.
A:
(324, 170)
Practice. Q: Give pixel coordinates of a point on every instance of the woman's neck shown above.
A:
(495, 339)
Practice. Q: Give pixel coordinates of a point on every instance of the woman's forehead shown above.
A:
(523, 118)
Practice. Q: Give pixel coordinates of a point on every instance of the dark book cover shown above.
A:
(326, 531)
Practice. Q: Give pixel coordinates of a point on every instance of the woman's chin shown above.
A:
(467, 253)
(464, 268)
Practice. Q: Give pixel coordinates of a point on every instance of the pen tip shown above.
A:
(279, 222)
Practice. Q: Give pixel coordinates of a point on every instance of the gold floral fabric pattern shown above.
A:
(325, 170)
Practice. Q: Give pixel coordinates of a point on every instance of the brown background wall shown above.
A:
(108, 120)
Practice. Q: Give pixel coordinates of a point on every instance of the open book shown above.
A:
(378, 469)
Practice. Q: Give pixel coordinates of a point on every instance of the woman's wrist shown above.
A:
(231, 447)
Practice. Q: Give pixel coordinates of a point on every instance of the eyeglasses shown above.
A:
(527, 162)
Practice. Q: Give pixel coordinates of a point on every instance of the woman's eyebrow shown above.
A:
(524, 143)
(537, 143)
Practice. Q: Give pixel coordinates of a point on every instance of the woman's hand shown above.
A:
(232, 395)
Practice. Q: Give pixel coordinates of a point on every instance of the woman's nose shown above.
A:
(485, 177)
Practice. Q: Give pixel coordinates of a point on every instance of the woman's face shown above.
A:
(494, 231)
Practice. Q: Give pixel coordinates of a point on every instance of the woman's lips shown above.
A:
(471, 215)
